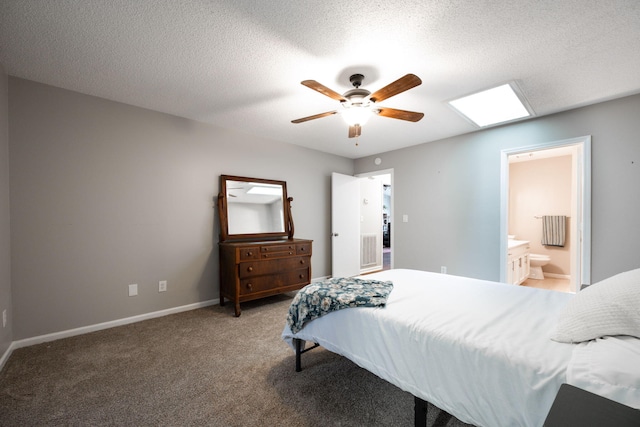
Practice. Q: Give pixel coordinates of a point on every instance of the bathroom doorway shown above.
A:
(548, 179)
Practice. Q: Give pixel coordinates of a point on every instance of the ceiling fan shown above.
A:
(359, 104)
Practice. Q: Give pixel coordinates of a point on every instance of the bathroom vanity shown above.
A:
(518, 261)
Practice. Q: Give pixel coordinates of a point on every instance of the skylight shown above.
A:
(492, 106)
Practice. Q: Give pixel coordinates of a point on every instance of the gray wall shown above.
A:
(6, 335)
(104, 195)
(451, 191)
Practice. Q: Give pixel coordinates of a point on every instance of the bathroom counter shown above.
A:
(515, 243)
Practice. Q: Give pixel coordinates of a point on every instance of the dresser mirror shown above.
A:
(253, 208)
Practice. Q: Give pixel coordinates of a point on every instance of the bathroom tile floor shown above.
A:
(560, 285)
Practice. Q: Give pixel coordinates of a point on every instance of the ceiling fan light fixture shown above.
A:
(356, 114)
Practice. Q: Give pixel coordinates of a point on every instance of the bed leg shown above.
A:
(298, 345)
(420, 412)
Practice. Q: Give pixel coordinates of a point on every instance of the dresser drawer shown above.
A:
(277, 251)
(303, 249)
(250, 253)
(265, 283)
(272, 255)
(278, 248)
(260, 268)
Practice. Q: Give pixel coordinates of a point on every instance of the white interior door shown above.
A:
(345, 225)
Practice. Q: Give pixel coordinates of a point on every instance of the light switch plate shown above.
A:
(133, 290)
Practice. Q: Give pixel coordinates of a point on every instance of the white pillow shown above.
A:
(608, 308)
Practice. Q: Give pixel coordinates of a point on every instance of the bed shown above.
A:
(482, 350)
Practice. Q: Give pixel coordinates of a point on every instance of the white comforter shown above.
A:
(479, 350)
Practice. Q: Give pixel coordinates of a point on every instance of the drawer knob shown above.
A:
(290, 253)
(249, 286)
(250, 269)
(302, 261)
(250, 253)
(302, 249)
(302, 276)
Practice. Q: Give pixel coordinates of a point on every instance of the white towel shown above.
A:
(553, 230)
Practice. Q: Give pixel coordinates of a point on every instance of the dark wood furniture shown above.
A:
(252, 270)
(258, 255)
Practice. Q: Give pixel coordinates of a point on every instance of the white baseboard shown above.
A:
(6, 355)
(111, 324)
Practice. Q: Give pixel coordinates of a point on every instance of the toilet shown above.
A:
(537, 261)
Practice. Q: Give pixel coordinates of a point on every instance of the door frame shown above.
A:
(583, 170)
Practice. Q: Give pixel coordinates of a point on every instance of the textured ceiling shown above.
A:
(238, 63)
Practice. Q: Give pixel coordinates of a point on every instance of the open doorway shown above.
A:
(526, 203)
(376, 221)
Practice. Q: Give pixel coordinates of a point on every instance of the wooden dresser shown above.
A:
(256, 269)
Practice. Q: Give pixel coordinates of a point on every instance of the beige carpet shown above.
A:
(198, 368)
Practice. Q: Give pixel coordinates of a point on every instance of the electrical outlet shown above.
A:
(133, 290)
(162, 286)
(443, 270)
(4, 318)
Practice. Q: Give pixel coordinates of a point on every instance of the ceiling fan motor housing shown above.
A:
(356, 96)
(356, 80)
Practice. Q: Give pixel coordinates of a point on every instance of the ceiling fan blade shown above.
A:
(403, 83)
(316, 116)
(409, 116)
(312, 84)
(355, 131)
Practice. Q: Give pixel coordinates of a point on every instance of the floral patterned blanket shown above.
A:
(318, 299)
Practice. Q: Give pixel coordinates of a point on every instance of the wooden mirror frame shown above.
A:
(223, 212)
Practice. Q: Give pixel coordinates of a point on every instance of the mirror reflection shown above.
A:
(255, 207)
